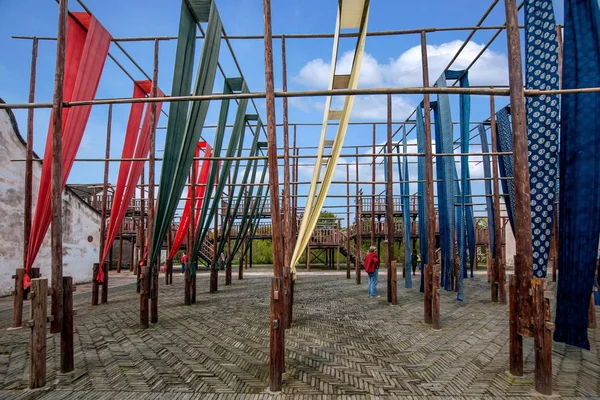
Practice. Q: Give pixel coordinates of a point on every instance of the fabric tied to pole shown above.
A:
(183, 129)
(489, 200)
(87, 44)
(137, 145)
(506, 162)
(421, 190)
(579, 218)
(445, 176)
(542, 124)
(200, 186)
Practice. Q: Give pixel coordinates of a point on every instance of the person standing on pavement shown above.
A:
(183, 262)
(372, 268)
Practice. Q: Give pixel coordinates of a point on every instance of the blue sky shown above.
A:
(390, 61)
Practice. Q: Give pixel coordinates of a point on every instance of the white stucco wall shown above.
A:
(80, 220)
(509, 239)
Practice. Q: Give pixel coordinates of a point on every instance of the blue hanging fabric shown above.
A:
(541, 56)
(460, 240)
(445, 176)
(505, 162)
(466, 228)
(405, 196)
(579, 218)
(489, 200)
(422, 208)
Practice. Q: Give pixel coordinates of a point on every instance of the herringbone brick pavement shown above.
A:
(342, 345)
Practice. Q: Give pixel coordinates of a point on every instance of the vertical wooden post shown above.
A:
(142, 240)
(169, 262)
(358, 236)
(105, 268)
(104, 206)
(392, 294)
(95, 284)
(19, 292)
(542, 339)
(277, 344)
(120, 257)
(67, 362)
(132, 254)
(428, 305)
(348, 221)
(515, 339)
(522, 310)
(153, 267)
(374, 179)
(145, 291)
(37, 339)
(18, 298)
(214, 270)
(498, 265)
(57, 125)
(592, 312)
(435, 296)
(241, 262)
(228, 263)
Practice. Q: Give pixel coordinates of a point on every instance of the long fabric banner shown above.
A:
(421, 189)
(200, 186)
(445, 177)
(87, 44)
(489, 200)
(505, 162)
(542, 124)
(405, 195)
(137, 145)
(183, 130)
(579, 218)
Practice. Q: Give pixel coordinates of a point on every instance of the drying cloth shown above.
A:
(579, 218)
(405, 194)
(421, 190)
(489, 200)
(87, 44)
(505, 162)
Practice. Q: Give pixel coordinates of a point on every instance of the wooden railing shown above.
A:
(367, 206)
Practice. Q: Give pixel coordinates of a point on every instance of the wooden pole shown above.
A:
(37, 339)
(428, 304)
(18, 298)
(435, 296)
(67, 361)
(498, 264)
(228, 263)
(145, 291)
(358, 236)
(214, 270)
(374, 179)
(56, 226)
(131, 255)
(120, 258)
(515, 340)
(95, 284)
(277, 344)
(348, 221)
(104, 206)
(169, 262)
(106, 269)
(241, 262)
(287, 214)
(142, 239)
(392, 294)
(524, 253)
(151, 172)
(542, 339)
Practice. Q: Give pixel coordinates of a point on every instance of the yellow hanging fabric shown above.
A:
(352, 14)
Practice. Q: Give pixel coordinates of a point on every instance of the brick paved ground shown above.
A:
(342, 344)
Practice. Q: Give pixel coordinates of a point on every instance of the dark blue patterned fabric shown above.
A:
(422, 208)
(460, 239)
(579, 211)
(445, 177)
(489, 200)
(542, 124)
(506, 163)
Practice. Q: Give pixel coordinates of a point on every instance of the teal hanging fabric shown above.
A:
(405, 195)
(445, 177)
(421, 190)
(183, 129)
(489, 200)
(460, 240)
(541, 57)
(579, 211)
(213, 196)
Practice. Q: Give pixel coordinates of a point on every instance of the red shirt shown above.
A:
(184, 259)
(371, 262)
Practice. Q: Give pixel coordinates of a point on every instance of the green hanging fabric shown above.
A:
(208, 211)
(183, 130)
(250, 167)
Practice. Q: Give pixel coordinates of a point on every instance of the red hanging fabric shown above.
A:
(201, 181)
(137, 145)
(87, 44)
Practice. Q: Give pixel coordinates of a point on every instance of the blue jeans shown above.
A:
(183, 268)
(373, 282)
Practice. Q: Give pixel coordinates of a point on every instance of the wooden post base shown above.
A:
(214, 276)
(105, 267)
(187, 292)
(427, 295)
(193, 287)
(435, 297)
(144, 293)
(543, 337)
(37, 340)
(95, 284)
(277, 344)
(67, 361)
(592, 312)
(19, 296)
(228, 273)
(154, 299)
(515, 340)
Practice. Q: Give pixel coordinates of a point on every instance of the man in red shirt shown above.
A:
(183, 261)
(372, 268)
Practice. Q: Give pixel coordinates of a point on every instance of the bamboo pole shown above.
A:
(389, 215)
(151, 206)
